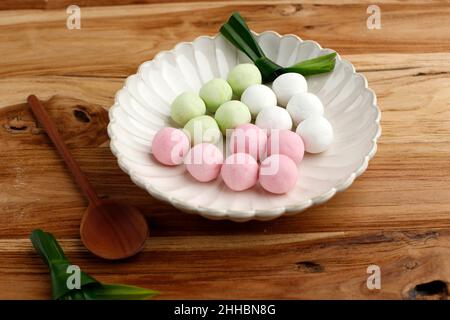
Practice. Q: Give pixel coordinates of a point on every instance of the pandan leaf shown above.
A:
(317, 65)
(90, 289)
(50, 251)
(236, 31)
(118, 292)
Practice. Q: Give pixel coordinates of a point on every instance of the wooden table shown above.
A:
(396, 216)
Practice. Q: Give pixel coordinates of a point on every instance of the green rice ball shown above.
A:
(203, 129)
(232, 114)
(186, 106)
(214, 93)
(243, 76)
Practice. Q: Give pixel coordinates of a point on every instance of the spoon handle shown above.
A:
(81, 179)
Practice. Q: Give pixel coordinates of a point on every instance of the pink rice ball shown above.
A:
(170, 146)
(248, 138)
(286, 142)
(240, 171)
(278, 174)
(204, 161)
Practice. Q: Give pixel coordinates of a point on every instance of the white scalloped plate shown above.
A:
(142, 107)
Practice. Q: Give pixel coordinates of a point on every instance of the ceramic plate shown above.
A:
(142, 107)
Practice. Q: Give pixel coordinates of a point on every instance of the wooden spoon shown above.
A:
(108, 229)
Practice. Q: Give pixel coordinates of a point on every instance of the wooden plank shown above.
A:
(395, 215)
(97, 49)
(289, 266)
(60, 4)
(101, 89)
(407, 179)
(96, 90)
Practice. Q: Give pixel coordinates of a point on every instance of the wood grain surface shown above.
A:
(396, 215)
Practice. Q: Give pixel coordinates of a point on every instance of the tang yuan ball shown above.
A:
(316, 133)
(303, 105)
(243, 76)
(170, 145)
(204, 161)
(258, 97)
(239, 171)
(232, 114)
(278, 174)
(248, 138)
(286, 142)
(274, 118)
(186, 106)
(214, 93)
(288, 84)
(203, 129)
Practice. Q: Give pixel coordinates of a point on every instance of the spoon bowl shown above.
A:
(113, 230)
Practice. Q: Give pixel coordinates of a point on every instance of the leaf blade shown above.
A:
(237, 32)
(118, 292)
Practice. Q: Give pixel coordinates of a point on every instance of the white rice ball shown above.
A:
(304, 105)
(258, 97)
(274, 118)
(317, 134)
(288, 84)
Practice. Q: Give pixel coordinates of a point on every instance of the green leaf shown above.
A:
(238, 33)
(238, 23)
(118, 292)
(269, 69)
(53, 255)
(75, 294)
(236, 39)
(317, 65)
(46, 246)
